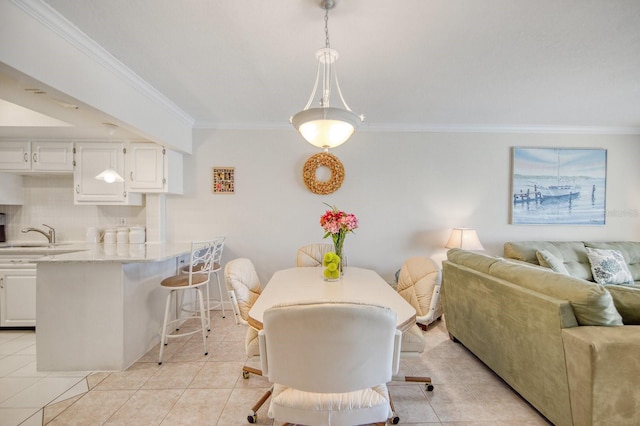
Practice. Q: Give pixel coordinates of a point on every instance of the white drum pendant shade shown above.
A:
(326, 127)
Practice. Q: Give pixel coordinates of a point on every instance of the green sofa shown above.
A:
(565, 344)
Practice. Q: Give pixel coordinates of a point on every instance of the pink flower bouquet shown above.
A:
(338, 224)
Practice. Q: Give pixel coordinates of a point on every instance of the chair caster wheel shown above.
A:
(206, 353)
(395, 420)
(245, 374)
(252, 418)
(428, 387)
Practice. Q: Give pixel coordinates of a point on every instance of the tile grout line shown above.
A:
(80, 397)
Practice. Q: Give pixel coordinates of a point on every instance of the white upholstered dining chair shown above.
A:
(419, 283)
(244, 288)
(312, 254)
(330, 362)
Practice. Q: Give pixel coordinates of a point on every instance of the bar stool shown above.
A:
(198, 275)
(212, 303)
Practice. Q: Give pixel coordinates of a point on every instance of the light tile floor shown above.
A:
(192, 389)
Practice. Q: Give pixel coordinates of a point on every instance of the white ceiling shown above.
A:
(407, 65)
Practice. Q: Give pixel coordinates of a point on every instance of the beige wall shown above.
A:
(407, 189)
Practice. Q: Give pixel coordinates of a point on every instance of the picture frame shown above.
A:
(558, 186)
(224, 180)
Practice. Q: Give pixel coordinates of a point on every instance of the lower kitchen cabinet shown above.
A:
(18, 295)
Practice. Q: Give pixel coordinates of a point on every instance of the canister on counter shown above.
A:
(93, 235)
(122, 235)
(136, 235)
(109, 236)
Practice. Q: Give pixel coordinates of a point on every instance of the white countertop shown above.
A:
(83, 252)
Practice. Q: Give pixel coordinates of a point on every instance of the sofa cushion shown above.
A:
(572, 253)
(548, 260)
(591, 303)
(478, 261)
(630, 250)
(627, 301)
(608, 266)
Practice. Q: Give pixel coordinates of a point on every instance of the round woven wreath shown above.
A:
(332, 163)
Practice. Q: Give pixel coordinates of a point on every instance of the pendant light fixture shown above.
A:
(109, 175)
(326, 126)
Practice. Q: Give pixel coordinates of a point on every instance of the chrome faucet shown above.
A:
(51, 235)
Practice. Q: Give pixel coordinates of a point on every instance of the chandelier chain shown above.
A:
(326, 28)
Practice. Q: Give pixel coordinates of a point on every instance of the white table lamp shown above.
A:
(464, 238)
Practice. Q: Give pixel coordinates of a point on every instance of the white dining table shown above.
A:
(306, 284)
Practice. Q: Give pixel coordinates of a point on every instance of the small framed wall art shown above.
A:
(224, 180)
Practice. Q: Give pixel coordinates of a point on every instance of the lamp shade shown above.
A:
(464, 238)
(326, 127)
(110, 176)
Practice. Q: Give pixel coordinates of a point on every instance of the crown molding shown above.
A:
(465, 128)
(420, 128)
(53, 20)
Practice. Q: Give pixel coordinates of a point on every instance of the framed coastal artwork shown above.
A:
(558, 186)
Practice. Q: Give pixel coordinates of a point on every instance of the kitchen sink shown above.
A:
(35, 249)
(30, 245)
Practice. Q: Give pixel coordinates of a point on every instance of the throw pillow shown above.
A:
(548, 260)
(608, 266)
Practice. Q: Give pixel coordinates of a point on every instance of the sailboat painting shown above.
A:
(558, 186)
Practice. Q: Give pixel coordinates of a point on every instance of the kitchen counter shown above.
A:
(101, 307)
(83, 252)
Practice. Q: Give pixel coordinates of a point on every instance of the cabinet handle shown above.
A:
(35, 157)
(26, 157)
(131, 176)
(1, 282)
(78, 189)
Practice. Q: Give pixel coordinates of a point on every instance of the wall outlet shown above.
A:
(122, 221)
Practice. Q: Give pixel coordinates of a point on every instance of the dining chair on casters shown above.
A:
(244, 289)
(198, 276)
(312, 254)
(211, 303)
(329, 362)
(419, 282)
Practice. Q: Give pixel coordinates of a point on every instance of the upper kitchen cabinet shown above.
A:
(91, 159)
(152, 168)
(36, 156)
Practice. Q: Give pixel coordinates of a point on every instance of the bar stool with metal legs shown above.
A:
(198, 276)
(211, 303)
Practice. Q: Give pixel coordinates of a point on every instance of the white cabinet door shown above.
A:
(146, 167)
(153, 169)
(17, 297)
(15, 155)
(91, 159)
(52, 156)
(36, 156)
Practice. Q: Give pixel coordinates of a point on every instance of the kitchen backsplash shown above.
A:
(49, 199)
